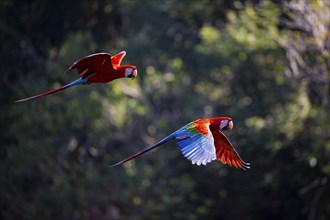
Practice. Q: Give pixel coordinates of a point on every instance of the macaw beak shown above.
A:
(133, 74)
(228, 126)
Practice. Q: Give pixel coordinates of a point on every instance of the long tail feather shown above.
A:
(163, 141)
(76, 82)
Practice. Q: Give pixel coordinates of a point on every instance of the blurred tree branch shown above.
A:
(308, 51)
(321, 184)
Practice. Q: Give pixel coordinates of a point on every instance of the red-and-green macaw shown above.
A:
(201, 142)
(96, 68)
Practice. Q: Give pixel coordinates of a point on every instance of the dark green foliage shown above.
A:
(254, 62)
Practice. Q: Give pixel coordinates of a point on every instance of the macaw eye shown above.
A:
(226, 125)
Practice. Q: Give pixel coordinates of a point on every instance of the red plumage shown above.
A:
(96, 68)
(201, 142)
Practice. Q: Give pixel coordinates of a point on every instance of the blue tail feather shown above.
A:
(76, 82)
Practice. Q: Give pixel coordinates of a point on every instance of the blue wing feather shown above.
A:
(193, 153)
(196, 147)
(190, 153)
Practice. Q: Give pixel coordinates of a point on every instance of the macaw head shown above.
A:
(130, 72)
(226, 124)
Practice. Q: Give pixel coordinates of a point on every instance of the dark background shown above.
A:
(263, 63)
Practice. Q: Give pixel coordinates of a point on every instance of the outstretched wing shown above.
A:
(95, 63)
(116, 60)
(226, 153)
(196, 146)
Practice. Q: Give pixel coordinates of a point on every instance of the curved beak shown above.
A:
(133, 74)
(230, 125)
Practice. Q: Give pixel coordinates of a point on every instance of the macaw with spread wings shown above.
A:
(96, 68)
(201, 142)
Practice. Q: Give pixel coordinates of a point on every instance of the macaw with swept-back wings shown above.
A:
(96, 68)
(201, 142)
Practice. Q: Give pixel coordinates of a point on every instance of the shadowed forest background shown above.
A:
(264, 63)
